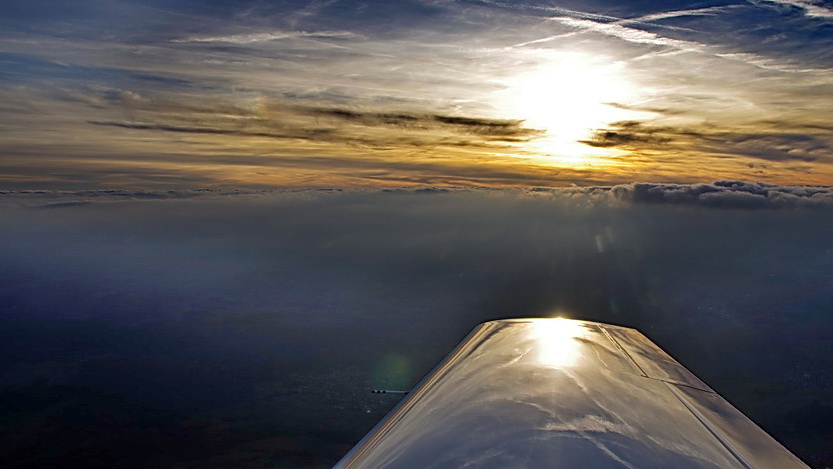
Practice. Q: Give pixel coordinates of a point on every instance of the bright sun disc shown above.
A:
(568, 98)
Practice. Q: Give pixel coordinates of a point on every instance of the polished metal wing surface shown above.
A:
(560, 393)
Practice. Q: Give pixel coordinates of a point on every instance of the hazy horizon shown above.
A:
(208, 329)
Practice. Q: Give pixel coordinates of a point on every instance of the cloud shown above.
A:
(709, 11)
(56, 199)
(765, 141)
(307, 134)
(634, 30)
(65, 203)
(249, 38)
(619, 27)
(810, 8)
(624, 33)
(725, 194)
(647, 20)
(472, 125)
(550, 9)
(628, 134)
(287, 121)
(718, 194)
(768, 63)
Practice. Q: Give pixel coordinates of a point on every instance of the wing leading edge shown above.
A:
(560, 393)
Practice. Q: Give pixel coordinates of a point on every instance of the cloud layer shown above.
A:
(719, 194)
(725, 194)
(331, 124)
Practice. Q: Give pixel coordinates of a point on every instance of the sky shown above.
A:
(250, 93)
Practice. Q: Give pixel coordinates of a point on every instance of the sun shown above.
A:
(568, 97)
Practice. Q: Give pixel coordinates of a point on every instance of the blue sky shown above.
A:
(156, 94)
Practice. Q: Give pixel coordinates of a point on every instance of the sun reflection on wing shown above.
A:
(568, 97)
(556, 341)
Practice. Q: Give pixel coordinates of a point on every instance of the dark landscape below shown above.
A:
(209, 330)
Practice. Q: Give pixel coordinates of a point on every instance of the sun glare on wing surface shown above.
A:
(557, 341)
(569, 97)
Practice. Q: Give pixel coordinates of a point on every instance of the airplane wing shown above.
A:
(560, 393)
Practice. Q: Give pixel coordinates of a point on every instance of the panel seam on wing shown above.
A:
(622, 349)
(701, 419)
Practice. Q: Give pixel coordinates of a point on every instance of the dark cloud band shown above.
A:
(718, 194)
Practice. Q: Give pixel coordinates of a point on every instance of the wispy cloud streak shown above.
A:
(710, 11)
(628, 34)
(249, 38)
(810, 8)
